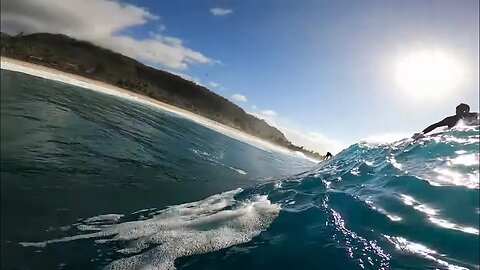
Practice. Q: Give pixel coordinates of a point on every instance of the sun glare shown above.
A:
(428, 74)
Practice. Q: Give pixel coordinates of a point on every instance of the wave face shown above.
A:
(402, 205)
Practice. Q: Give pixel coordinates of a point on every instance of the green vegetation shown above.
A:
(85, 59)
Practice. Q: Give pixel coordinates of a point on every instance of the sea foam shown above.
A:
(217, 222)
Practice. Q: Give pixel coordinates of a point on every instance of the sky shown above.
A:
(326, 73)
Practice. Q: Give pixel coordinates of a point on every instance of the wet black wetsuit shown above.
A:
(451, 121)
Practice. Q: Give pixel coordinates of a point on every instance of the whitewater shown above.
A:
(378, 205)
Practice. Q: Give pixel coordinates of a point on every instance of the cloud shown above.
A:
(268, 113)
(102, 22)
(220, 11)
(271, 120)
(213, 84)
(239, 98)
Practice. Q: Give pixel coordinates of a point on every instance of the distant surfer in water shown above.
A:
(462, 113)
(328, 155)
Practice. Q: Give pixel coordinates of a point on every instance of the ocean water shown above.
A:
(89, 181)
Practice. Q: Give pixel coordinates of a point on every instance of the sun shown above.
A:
(425, 74)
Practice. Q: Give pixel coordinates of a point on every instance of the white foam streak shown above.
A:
(449, 225)
(214, 161)
(208, 225)
(470, 140)
(104, 218)
(449, 176)
(421, 250)
(242, 172)
(392, 217)
(394, 163)
(466, 160)
(433, 216)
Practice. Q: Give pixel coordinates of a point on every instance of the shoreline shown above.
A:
(98, 86)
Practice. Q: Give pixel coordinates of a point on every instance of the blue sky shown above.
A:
(317, 62)
(322, 68)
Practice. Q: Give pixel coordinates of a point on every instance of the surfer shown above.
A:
(328, 155)
(462, 112)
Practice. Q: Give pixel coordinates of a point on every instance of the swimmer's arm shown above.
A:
(442, 123)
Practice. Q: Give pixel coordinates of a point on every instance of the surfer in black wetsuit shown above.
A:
(328, 155)
(462, 113)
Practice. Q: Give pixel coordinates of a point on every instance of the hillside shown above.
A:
(85, 59)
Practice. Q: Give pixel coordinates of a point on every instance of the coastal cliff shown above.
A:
(88, 60)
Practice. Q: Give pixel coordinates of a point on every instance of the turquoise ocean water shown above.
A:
(90, 181)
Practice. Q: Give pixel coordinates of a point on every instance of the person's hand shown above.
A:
(417, 136)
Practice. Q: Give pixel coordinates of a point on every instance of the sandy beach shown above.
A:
(56, 75)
